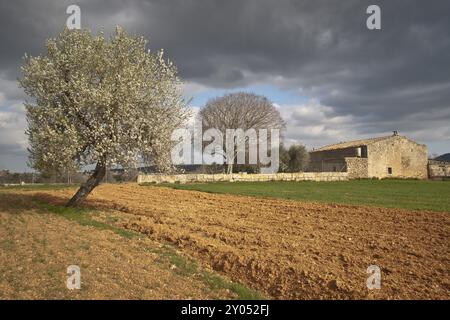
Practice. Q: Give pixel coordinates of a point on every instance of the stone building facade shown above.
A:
(439, 170)
(392, 156)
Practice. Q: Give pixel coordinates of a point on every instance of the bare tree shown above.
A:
(102, 103)
(240, 110)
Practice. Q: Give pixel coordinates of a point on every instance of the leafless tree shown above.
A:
(240, 110)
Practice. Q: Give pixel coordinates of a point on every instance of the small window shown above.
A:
(389, 170)
(364, 152)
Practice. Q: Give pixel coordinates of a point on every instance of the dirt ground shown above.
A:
(36, 248)
(290, 249)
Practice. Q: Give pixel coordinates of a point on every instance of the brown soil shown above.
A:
(290, 249)
(36, 248)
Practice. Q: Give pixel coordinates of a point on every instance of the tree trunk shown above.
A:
(230, 164)
(89, 185)
(230, 168)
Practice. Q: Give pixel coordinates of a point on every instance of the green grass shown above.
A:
(408, 194)
(84, 217)
(244, 293)
(188, 267)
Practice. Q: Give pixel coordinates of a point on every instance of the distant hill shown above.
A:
(443, 157)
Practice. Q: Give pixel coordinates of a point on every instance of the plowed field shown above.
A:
(290, 249)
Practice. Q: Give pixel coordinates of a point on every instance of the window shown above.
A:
(364, 152)
(389, 170)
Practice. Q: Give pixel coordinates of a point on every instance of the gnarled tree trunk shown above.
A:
(89, 185)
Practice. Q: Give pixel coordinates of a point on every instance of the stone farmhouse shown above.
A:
(382, 157)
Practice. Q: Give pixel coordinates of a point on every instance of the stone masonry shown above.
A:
(298, 176)
(392, 156)
(439, 169)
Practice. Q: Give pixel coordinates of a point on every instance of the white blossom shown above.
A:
(98, 100)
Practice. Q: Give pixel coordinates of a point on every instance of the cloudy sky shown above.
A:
(332, 78)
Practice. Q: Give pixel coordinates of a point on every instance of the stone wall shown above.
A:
(298, 176)
(357, 167)
(438, 169)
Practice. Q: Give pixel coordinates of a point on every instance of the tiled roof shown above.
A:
(352, 144)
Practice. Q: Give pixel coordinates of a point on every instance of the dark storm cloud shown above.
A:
(394, 78)
(322, 47)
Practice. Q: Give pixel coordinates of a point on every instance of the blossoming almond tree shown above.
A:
(102, 103)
